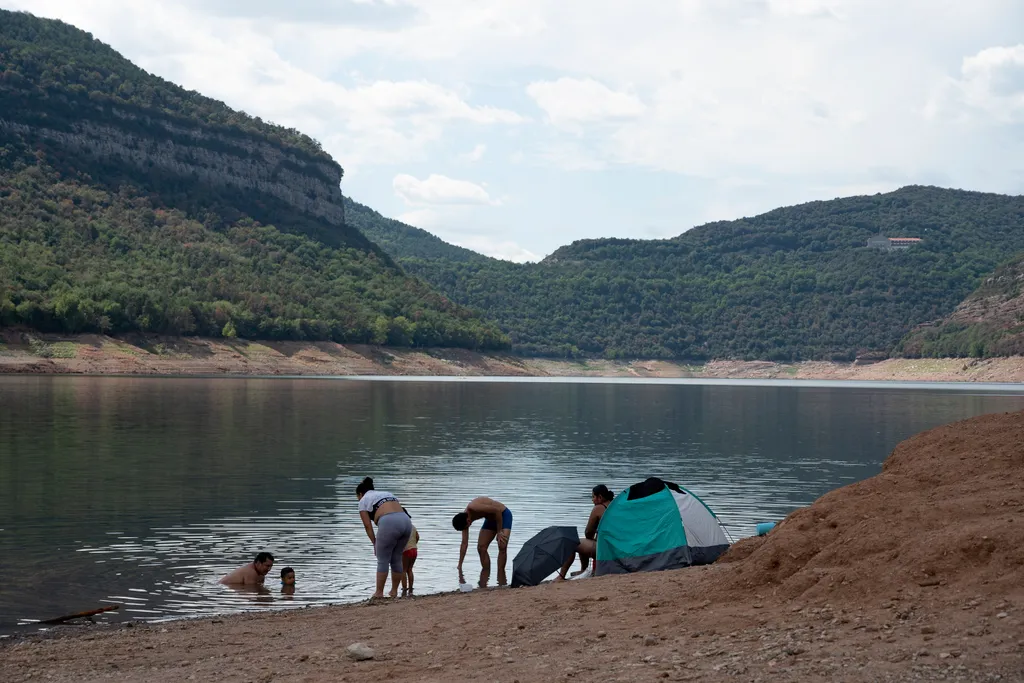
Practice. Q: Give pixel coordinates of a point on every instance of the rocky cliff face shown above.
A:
(998, 302)
(988, 323)
(200, 153)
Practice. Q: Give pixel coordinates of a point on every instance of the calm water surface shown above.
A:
(144, 491)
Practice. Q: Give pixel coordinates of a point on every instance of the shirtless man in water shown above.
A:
(251, 574)
(497, 524)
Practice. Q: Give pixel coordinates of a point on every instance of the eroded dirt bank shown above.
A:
(917, 573)
(26, 352)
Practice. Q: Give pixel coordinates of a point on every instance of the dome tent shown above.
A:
(657, 525)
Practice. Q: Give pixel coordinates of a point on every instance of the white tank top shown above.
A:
(372, 500)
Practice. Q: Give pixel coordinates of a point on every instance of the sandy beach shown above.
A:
(24, 352)
(916, 573)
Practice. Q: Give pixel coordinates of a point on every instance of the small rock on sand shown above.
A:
(360, 652)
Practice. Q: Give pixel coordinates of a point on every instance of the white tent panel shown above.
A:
(702, 529)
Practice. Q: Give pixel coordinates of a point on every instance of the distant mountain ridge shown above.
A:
(794, 283)
(129, 204)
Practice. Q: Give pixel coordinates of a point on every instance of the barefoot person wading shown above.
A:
(497, 523)
(393, 530)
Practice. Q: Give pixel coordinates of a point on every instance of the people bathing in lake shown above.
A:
(251, 574)
(409, 558)
(393, 530)
(497, 524)
(287, 581)
(600, 496)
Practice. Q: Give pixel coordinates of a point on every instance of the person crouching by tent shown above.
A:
(587, 550)
(497, 524)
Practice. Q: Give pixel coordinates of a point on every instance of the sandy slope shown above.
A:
(917, 573)
(24, 352)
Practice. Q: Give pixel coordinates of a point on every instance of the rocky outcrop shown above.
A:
(988, 323)
(998, 301)
(205, 154)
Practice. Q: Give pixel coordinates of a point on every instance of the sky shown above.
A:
(512, 127)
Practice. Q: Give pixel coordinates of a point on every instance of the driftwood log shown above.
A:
(82, 615)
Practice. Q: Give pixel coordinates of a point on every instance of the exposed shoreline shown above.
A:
(30, 353)
(916, 573)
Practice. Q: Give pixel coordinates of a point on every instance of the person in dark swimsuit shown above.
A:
(497, 524)
(587, 549)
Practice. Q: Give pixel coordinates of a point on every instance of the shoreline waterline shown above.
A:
(1008, 388)
(92, 355)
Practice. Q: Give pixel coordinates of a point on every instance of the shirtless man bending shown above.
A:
(251, 574)
(497, 523)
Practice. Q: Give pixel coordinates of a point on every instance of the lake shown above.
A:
(144, 491)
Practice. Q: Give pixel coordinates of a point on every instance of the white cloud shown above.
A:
(498, 248)
(439, 189)
(991, 83)
(804, 8)
(458, 225)
(475, 154)
(570, 101)
(239, 61)
(424, 219)
(798, 97)
(745, 88)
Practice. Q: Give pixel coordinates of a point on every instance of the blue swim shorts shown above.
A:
(506, 521)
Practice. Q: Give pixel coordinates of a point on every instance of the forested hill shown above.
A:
(404, 241)
(794, 283)
(130, 204)
(988, 323)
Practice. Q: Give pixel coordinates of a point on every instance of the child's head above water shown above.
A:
(288, 576)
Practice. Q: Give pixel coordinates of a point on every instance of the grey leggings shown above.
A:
(393, 531)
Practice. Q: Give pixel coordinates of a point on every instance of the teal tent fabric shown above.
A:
(657, 525)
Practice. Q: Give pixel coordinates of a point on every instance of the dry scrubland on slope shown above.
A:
(916, 573)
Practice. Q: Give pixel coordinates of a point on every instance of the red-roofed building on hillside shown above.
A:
(891, 243)
(903, 242)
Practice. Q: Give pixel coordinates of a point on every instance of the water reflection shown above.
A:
(143, 492)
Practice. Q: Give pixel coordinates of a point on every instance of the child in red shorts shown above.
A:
(409, 559)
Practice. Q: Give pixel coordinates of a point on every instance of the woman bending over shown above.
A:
(393, 530)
